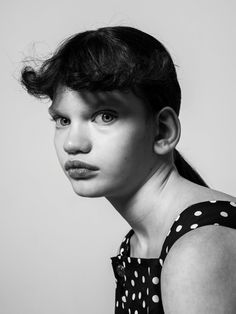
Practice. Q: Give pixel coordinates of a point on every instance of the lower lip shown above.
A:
(78, 173)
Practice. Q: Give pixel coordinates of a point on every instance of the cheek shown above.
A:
(127, 164)
(126, 151)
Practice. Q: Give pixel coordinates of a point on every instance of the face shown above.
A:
(108, 130)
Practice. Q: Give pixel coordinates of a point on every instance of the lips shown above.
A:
(72, 164)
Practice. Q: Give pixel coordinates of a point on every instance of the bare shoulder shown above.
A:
(218, 195)
(201, 193)
(199, 273)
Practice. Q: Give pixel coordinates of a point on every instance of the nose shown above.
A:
(77, 140)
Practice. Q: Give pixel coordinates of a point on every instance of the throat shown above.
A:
(149, 252)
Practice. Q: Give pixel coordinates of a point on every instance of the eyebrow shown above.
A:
(52, 110)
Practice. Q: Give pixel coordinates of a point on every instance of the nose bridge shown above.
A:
(78, 138)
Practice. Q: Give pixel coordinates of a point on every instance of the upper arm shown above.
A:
(199, 273)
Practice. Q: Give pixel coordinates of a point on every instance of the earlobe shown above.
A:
(168, 130)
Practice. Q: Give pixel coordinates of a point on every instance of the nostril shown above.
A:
(75, 147)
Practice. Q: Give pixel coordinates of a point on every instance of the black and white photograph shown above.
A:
(118, 157)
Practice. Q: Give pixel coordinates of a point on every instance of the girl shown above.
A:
(115, 101)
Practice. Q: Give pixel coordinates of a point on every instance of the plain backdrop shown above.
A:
(56, 246)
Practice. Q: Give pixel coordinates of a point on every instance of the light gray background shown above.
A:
(56, 246)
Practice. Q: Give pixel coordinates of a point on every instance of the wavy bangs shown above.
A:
(109, 58)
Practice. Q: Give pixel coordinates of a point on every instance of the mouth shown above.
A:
(77, 164)
(79, 173)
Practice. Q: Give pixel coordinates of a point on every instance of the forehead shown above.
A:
(126, 100)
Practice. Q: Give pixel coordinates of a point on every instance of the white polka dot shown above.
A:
(147, 291)
(139, 260)
(155, 298)
(133, 296)
(155, 280)
(178, 228)
(136, 273)
(124, 239)
(122, 250)
(213, 201)
(132, 282)
(149, 271)
(144, 304)
(129, 311)
(197, 213)
(123, 263)
(136, 312)
(224, 214)
(124, 298)
(161, 261)
(233, 204)
(117, 303)
(216, 224)
(139, 295)
(123, 305)
(124, 277)
(129, 260)
(126, 292)
(194, 226)
(177, 218)
(119, 256)
(143, 279)
(167, 249)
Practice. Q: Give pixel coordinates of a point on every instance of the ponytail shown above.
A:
(186, 171)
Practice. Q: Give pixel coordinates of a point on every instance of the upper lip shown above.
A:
(78, 164)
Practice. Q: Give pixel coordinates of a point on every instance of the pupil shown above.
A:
(106, 116)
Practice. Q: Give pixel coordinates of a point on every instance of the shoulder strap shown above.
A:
(124, 247)
(221, 213)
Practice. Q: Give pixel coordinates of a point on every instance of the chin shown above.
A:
(97, 187)
(88, 195)
(87, 190)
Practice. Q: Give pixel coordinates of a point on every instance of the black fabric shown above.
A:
(138, 289)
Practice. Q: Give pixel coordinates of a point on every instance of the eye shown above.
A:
(106, 116)
(57, 119)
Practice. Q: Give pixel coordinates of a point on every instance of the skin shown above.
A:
(199, 273)
(134, 154)
(138, 177)
(111, 146)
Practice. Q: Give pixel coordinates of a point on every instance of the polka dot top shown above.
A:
(138, 289)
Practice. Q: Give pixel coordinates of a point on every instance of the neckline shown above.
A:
(131, 231)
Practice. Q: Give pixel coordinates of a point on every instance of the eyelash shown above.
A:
(111, 113)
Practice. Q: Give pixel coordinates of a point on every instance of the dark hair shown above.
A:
(118, 57)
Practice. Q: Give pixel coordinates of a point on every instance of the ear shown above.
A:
(168, 130)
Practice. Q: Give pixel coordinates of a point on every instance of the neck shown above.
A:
(151, 209)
